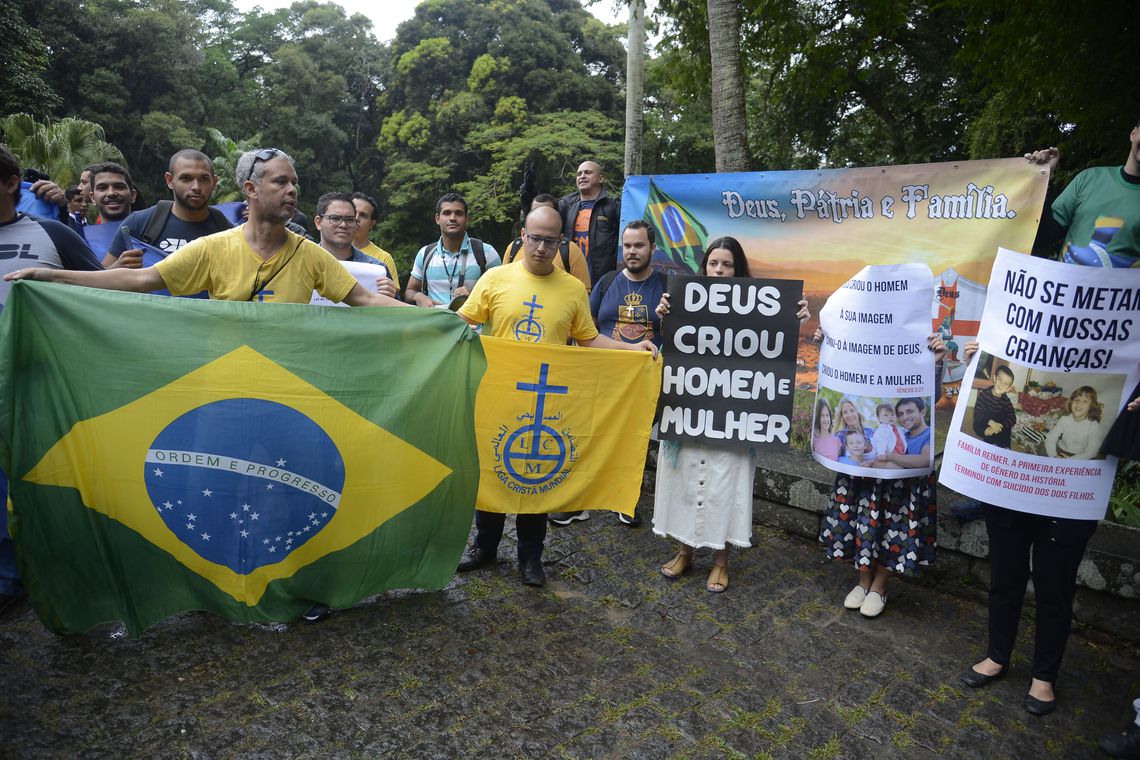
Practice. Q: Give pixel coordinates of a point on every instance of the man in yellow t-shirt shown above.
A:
(570, 257)
(258, 261)
(367, 215)
(531, 302)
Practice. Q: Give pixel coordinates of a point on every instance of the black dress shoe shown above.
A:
(1125, 744)
(532, 573)
(474, 558)
(976, 680)
(1035, 706)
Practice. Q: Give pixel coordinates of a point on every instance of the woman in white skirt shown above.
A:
(703, 494)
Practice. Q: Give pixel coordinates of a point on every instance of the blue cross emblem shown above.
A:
(538, 448)
(529, 329)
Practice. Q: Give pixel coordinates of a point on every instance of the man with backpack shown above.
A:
(570, 257)
(448, 268)
(169, 225)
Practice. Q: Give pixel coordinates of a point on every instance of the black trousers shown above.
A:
(1056, 546)
(531, 531)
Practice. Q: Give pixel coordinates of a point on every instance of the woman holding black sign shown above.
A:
(703, 495)
(885, 526)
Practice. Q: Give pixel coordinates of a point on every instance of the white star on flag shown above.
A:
(207, 493)
(158, 472)
(280, 462)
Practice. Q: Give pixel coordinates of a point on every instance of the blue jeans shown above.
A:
(9, 576)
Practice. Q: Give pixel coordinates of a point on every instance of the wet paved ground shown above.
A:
(609, 660)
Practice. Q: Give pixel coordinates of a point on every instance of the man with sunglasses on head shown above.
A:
(259, 261)
(337, 222)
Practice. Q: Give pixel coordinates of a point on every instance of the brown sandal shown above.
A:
(677, 566)
(718, 579)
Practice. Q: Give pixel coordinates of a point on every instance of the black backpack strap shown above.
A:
(157, 222)
(428, 251)
(480, 254)
(605, 282)
(513, 250)
(221, 223)
(480, 259)
(564, 247)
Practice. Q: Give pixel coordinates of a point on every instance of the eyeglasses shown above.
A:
(336, 221)
(538, 241)
(264, 154)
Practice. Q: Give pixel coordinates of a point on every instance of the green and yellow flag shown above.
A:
(563, 427)
(246, 459)
(680, 234)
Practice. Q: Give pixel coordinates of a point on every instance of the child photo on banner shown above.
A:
(1058, 350)
(874, 412)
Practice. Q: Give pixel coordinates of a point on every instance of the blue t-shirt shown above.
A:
(919, 442)
(175, 233)
(627, 311)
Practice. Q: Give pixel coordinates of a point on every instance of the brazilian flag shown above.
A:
(247, 459)
(680, 234)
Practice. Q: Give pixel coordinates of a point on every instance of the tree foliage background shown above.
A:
(469, 90)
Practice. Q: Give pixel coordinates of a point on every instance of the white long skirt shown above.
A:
(703, 495)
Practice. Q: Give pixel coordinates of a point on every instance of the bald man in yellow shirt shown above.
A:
(531, 302)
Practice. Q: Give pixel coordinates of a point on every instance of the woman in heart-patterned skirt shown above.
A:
(883, 526)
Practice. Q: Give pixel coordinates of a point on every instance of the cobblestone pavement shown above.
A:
(609, 660)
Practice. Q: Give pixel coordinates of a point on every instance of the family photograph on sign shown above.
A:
(1030, 411)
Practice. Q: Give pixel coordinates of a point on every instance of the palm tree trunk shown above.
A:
(634, 86)
(730, 126)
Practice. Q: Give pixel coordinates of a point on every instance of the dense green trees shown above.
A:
(477, 89)
(470, 90)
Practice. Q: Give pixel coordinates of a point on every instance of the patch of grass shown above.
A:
(827, 751)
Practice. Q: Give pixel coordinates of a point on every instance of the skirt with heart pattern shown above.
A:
(892, 522)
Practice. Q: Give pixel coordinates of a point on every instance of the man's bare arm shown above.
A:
(358, 296)
(131, 280)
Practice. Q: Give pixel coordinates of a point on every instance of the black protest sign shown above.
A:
(730, 360)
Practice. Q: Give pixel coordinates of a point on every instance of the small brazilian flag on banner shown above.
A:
(245, 459)
(679, 233)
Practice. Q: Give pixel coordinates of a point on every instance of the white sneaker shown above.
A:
(873, 604)
(855, 599)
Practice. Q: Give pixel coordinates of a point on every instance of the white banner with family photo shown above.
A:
(874, 412)
(1059, 349)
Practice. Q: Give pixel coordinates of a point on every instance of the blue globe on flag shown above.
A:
(244, 482)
